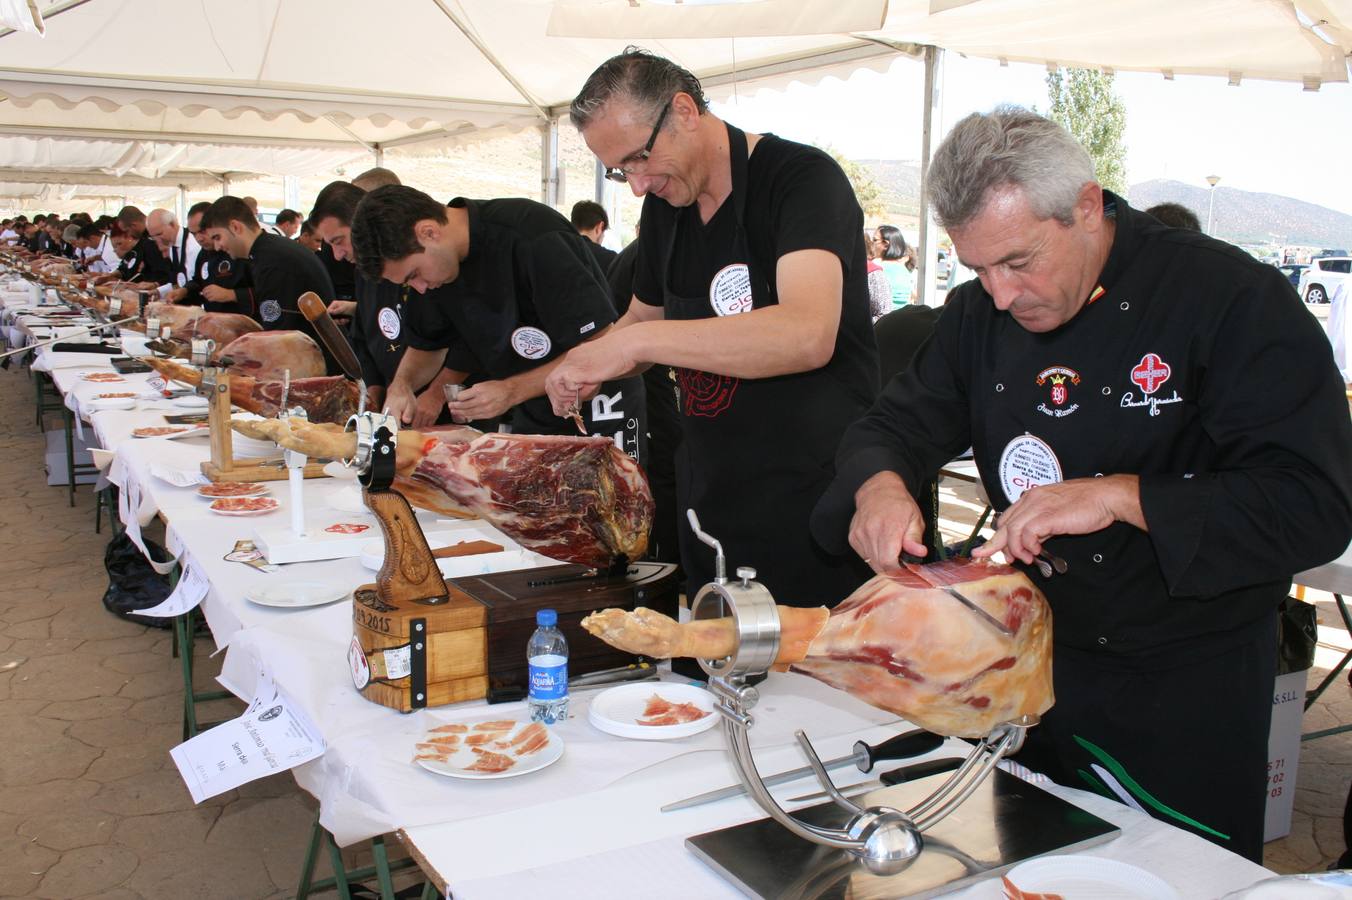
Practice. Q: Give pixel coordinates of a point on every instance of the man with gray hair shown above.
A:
(751, 281)
(1151, 406)
(177, 245)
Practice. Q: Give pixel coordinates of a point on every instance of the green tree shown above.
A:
(866, 190)
(1084, 103)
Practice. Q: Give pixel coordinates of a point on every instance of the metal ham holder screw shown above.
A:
(884, 839)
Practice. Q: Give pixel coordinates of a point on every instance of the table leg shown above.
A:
(343, 879)
(185, 630)
(1312, 696)
(67, 422)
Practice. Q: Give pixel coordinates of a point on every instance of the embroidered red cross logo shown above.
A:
(1150, 373)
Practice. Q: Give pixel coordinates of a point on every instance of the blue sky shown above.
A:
(1260, 136)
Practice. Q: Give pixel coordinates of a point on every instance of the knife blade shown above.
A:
(913, 772)
(907, 744)
(981, 613)
(619, 675)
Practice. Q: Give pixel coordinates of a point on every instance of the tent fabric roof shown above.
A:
(152, 86)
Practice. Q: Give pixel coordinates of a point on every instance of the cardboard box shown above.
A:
(55, 459)
(1288, 711)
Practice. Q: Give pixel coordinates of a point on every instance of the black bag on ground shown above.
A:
(1297, 634)
(132, 584)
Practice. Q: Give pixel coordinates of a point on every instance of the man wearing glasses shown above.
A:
(751, 281)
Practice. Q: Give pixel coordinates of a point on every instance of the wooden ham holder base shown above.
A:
(223, 466)
(423, 639)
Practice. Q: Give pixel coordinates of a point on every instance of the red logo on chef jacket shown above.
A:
(704, 393)
(1150, 373)
(1060, 378)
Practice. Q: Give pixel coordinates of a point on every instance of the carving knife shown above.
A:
(337, 343)
(901, 775)
(907, 744)
(981, 613)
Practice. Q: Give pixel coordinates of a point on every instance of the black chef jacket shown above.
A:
(282, 270)
(757, 453)
(528, 292)
(377, 329)
(218, 268)
(1196, 368)
(342, 273)
(155, 266)
(133, 265)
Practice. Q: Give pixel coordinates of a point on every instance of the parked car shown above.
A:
(1322, 275)
(1323, 253)
(941, 268)
(1292, 272)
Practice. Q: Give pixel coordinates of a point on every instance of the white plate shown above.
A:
(456, 766)
(298, 594)
(180, 431)
(1089, 876)
(102, 378)
(97, 404)
(245, 512)
(617, 710)
(191, 402)
(260, 489)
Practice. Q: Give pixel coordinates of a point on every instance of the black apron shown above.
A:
(617, 411)
(757, 453)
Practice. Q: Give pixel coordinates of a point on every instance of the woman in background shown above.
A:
(879, 290)
(896, 264)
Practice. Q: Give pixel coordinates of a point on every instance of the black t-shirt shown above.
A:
(342, 273)
(605, 257)
(216, 267)
(377, 330)
(527, 292)
(282, 270)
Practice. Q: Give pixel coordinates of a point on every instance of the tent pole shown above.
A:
(927, 256)
(182, 209)
(379, 154)
(549, 162)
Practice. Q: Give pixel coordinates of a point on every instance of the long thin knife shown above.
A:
(913, 772)
(907, 744)
(989, 619)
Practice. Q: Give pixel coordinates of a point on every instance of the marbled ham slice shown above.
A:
(660, 711)
(899, 643)
(489, 761)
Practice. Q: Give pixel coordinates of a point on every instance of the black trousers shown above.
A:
(1186, 739)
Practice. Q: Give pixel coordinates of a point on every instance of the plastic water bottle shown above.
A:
(547, 655)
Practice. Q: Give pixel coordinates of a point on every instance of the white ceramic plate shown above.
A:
(102, 378)
(102, 403)
(458, 763)
(211, 491)
(190, 402)
(617, 710)
(298, 594)
(271, 506)
(180, 431)
(1089, 876)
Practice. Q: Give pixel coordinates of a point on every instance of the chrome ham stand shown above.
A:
(883, 839)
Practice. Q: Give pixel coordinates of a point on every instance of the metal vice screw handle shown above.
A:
(720, 561)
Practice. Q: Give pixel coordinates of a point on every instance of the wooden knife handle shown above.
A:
(314, 309)
(467, 548)
(409, 573)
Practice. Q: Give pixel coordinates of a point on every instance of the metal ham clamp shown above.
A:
(884, 840)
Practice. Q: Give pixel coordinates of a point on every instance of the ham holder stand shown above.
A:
(915, 839)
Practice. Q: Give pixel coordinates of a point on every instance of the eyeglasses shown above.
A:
(621, 174)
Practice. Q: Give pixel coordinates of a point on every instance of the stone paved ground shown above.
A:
(90, 803)
(92, 806)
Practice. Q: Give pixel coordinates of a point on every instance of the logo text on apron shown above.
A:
(531, 343)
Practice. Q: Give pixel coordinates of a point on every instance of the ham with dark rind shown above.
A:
(330, 399)
(268, 355)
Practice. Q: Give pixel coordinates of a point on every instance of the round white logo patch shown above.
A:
(1025, 463)
(531, 343)
(730, 291)
(182, 279)
(388, 320)
(270, 310)
(223, 267)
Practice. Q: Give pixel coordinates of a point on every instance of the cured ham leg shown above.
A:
(900, 643)
(574, 499)
(328, 399)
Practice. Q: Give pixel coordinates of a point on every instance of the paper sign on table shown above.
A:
(129, 507)
(272, 736)
(191, 590)
(178, 477)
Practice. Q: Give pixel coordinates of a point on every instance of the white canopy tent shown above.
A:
(149, 87)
